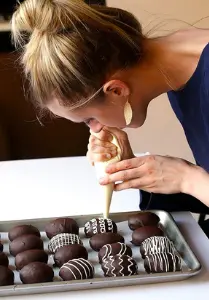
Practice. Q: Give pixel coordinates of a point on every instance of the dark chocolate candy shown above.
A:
(25, 242)
(24, 258)
(119, 265)
(114, 249)
(155, 245)
(61, 225)
(63, 239)
(4, 261)
(69, 252)
(97, 241)
(6, 276)
(142, 219)
(77, 269)
(20, 230)
(162, 262)
(142, 233)
(99, 225)
(36, 272)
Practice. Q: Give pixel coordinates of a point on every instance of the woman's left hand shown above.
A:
(151, 173)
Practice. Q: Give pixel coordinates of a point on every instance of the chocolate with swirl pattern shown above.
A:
(119, 265)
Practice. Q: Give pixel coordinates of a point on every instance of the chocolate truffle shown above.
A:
(114, 249)
(20, 230)
(97, 241)
(142, 233)
(142, 219)
(162, 262)
(99, 225)
(77, 269)
(61, 225)
(1, 247)
(63, 239)
(155, 245)
(25, 242)
(24, 258)
(4, 261)
(119, 265)
(69, 252)
(36, 272)
(6, 276)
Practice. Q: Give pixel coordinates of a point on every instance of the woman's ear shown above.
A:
(116, 88)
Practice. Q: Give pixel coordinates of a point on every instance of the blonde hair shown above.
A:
(69, 48)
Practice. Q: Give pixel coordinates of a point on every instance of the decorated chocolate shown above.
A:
(63, 239)
(119, 265)
(69, 252)
(6, 276)
(61, 225)
(99, 225)
(142, 233)
(77, 269)
(24, 258)
(36, 272)
(25, 242)
(114, 249)
(155, 245)
(97, 241)
(20, 230)
(142, 219)
(4, 261)
(162, 262)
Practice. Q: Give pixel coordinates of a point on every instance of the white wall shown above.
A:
(162, 133)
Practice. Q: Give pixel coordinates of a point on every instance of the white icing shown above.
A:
(109, 250)
(63, 239)
(161, 262)
(157, 244)
(115, 265)
(79, 264)
(99, 225)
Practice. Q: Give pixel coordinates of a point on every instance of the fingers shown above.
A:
(125, 165)
(103, 135)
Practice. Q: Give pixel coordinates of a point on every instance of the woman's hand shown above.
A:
(100, 148)
(151, 173)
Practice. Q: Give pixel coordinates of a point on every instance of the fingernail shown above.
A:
(108, 155)
(102, 180)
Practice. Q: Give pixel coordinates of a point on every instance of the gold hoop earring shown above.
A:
(128, 113)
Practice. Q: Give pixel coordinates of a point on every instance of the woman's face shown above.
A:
(107, 112)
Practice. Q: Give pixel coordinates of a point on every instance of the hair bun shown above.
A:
(47, 16)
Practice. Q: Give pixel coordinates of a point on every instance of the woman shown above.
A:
(95, 65)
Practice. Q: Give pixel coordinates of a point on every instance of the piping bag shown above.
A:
(100, 171)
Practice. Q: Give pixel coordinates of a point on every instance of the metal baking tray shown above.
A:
(191, 265)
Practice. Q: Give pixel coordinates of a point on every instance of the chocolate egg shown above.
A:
(24, 258)
(114, 249)
(63, 239)
(99, 240)
(20, 230)
(25, 242)
(77, 269)
(142, 233)
(99, 225)
(6, 276)
(66, 253)
(36, 272)
(155, 245)
(61, 225)
(162, 262)
(119, 265)
(142, 219)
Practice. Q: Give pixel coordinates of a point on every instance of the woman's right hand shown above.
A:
(100, 148)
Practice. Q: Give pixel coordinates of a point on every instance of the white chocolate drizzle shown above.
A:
(163, 262)
(99, 225)
(63, 239)
(157, 244)
(79, 265)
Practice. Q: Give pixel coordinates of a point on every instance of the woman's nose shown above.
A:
(95, 126)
